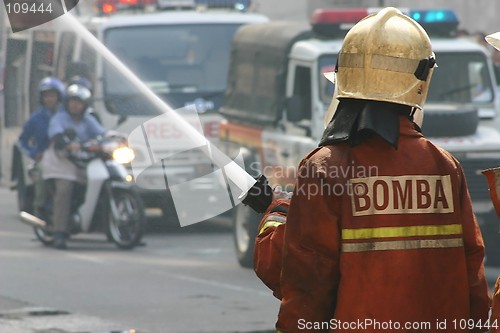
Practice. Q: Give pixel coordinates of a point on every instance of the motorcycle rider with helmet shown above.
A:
(400, 245)
(83, 81)
(67, 130)
(34, 137)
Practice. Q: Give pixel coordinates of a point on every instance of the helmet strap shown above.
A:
(424, 67)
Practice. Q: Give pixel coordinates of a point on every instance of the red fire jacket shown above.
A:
(495, 309)
(376, 240)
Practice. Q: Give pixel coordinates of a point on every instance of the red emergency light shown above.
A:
(336, 16)
(336, 22)
(111, 6)
(107, 8)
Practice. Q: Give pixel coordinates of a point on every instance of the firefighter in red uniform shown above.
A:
(493, 177)
(380, 235)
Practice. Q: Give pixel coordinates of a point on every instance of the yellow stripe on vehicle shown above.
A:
(409, 231)
(403, 245)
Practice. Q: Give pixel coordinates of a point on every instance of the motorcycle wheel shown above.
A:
(126, 222)
(44, 236)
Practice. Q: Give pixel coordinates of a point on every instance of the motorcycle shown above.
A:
(108, 202)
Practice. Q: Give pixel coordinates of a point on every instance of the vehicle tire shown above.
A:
(126, 222)
(44, 236)
(246, 222)
(450, 123)
(488, 223)
(168, 210)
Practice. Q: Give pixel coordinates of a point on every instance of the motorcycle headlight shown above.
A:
(123, 155)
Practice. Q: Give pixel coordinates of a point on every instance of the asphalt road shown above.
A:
(183, 280)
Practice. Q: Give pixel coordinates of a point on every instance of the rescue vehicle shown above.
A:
(179, 49)
(277, 96)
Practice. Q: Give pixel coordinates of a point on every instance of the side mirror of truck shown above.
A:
(294, 108)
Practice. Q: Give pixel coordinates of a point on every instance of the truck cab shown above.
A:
(277, 97)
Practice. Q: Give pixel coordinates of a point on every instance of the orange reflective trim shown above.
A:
(248, 135)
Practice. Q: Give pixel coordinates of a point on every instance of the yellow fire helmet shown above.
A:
(386, 57)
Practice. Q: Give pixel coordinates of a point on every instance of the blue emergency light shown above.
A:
(437, 22)
(434, 16)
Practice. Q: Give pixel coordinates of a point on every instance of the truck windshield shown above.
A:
(183, 64)
(461, 78)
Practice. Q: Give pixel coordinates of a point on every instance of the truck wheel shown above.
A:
(246, 221)
(169, 212)
(488, 223)
(443, 123)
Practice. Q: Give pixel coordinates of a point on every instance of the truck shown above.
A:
(277, 96)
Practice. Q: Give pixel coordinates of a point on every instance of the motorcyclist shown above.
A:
(383, 246)
(34, 137)
(83, 81)
(67, 130)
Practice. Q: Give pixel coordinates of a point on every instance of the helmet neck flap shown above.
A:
(357, 120)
